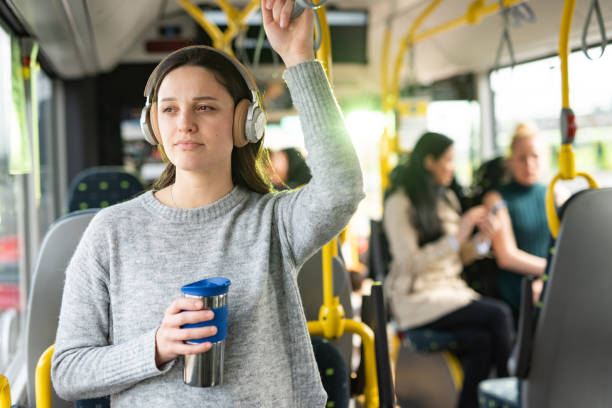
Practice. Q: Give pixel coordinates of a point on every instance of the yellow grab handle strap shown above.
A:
(554, 224)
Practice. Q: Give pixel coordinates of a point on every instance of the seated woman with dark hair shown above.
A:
(430, 241)
(290, 169)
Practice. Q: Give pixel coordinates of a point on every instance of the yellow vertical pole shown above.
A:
(43, 379)
(387, 105)
(566, 23)
(5, 393)
(324, 52)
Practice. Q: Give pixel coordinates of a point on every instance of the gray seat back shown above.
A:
(310, 283)
(571, 365)
(45, 298)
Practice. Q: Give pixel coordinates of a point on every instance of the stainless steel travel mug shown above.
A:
(206, 369)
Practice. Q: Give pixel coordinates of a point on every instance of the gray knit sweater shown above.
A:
(134, 257)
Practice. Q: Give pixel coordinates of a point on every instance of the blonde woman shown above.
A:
(521, 243)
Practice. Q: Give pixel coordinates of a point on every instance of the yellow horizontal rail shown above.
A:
(235, 20)
(475, 12)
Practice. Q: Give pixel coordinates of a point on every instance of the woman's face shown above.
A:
(525, 162)
(442, 168)
(195, 114)
(280, 164)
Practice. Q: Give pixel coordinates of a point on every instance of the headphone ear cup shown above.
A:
(240, 116)
(154, 123)
(145, 125)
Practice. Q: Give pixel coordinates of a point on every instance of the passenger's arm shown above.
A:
(507, 254)
(84, 364)
(404, 242)
(310, 217)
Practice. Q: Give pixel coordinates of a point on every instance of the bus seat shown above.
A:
(573, 330)
(374, 315)
(334, 375)
(310, 283)
(380, 257)
(425, 340)
(425, 380)
(46, 290)
(99, 187)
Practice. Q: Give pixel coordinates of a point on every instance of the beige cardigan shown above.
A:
(424, 283)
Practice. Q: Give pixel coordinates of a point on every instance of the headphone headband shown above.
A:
(244, 73)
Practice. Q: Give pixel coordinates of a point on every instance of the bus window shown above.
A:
(9, 238)
(458, 120)
(49, 205)
(531, 93)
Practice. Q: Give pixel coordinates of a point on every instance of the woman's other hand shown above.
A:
(170, 338)
(488, 226)
(469, 220)
(291, 39)
(536, 289)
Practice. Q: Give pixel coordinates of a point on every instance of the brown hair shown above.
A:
(248, 162)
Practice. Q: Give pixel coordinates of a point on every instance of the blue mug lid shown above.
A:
(207, 287)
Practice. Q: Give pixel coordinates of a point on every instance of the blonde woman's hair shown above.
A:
(523, 131)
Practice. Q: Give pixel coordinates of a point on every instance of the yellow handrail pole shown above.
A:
(5, 393)
(385, 168)
(567, 164)
(316, 328)
(369, 355)
(328, 252)
(387, 104)
(43, 378)
(406, 42)
(198, 15)
(566, 23)
(235, 19)
(324, 51)
(391, 91)
(474, 14)
(332, 322)
(251, 7)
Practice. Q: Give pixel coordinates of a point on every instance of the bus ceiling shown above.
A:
(85, 38)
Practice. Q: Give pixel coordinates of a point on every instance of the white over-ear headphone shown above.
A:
(249, 117)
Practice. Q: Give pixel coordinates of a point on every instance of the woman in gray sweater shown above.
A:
(210, 214)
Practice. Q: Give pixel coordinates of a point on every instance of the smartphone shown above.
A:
(497, 206)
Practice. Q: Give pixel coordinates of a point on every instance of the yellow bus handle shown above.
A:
(554, 224)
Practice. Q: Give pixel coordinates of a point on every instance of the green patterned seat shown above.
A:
(99, 187)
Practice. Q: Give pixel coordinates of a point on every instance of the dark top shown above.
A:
(527, 208)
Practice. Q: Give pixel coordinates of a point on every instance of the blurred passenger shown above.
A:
(482, 274)
(521, 243)
(491, 175)
(430, 241)
(290, 169)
